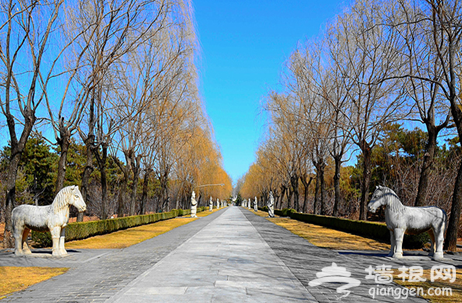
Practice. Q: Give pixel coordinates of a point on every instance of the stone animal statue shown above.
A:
(270, 205)
(403, 219)
(52, 217)
(193, 205)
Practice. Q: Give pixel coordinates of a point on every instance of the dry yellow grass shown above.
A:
(130, 236)
(19, 278)
(329, 238)
(456, 287)
(134, 235)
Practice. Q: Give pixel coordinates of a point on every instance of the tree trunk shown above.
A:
(163, 182)
(136, 176)
(122, 189)
(144, 197)
(8, 240)
(453, 225)
(323, 188)
(89, 144)
(338, 162)
(367, 151)
(281, 197)
(104, 210)
(296, 194)
(17, 148)
(316, 194)
(290, 194)
(121, 198)
(101, 160)
(84, 189)
(427, 166)
(306, 185)
(64, 142)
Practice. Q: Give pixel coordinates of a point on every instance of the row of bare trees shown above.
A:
(377, 63)
(120, 76)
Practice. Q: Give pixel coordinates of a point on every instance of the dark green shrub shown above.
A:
(278, 212)
(41, 239)
(82, 230)
(286, 212)
(374, 230)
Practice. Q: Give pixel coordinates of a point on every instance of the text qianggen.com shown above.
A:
(404, 293)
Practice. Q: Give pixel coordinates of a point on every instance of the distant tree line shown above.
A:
(381, 83)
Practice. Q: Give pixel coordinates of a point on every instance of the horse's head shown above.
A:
(376, 200)
(76, 199)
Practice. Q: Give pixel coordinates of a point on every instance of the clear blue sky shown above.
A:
(244, 44)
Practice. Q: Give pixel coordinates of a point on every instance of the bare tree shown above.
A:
(431, 32)
(28, 30)
(368, 58)
(115, 29)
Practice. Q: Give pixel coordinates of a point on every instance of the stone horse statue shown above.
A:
(52, 217)
(403, 219)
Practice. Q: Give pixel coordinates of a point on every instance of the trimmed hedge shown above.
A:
(374, 230)
(82, 230)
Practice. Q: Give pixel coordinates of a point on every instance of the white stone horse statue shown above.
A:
(403, 219)
(52, 217)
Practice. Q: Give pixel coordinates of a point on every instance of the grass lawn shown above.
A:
(128, 237)
(338, 240)
(456, 287)
(19, 278)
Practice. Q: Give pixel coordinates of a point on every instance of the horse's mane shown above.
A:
(61, 200)
(392, 200)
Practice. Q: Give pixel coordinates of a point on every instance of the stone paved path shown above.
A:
(229, 256)
(227, 261)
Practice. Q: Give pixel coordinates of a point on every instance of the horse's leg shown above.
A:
(432, 238)
(61, 242)
(55, 233)
(439, 239)
(25, 247)
(399, 235)
(393, 244)
(18, 230)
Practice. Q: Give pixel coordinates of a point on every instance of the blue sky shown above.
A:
(244, 45)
